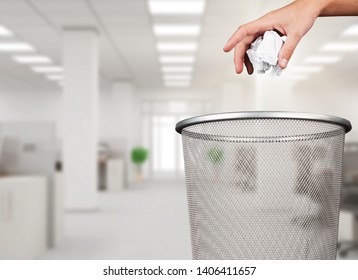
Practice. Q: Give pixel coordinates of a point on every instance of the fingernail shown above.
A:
(284, 63)
(237, 70)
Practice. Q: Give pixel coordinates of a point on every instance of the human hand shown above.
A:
(293, 21)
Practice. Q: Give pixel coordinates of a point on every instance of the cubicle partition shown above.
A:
(27, 150)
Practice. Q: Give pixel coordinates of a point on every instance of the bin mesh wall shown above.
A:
(263, 189)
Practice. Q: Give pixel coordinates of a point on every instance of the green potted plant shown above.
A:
(139, 155)
(216, 156)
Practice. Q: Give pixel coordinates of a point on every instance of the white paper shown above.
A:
(264, 51)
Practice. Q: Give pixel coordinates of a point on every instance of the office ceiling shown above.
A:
(128, 45)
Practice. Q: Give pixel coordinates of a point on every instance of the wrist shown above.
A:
(317, 7)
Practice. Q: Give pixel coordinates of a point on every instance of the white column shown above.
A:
(124, 122)
(80, 133)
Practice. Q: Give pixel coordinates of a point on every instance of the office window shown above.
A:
(158, 134)
(164, 138)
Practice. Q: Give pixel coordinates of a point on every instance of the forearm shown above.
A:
(341, 8)
(325, 8)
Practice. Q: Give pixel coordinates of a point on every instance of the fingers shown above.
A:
(240, 56)
(287, 50)
(253, 28)
(248, 64)
(238, 36)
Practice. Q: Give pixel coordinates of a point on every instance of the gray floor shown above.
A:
(147, 221)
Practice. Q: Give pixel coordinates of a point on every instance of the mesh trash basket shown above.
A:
(263, 185)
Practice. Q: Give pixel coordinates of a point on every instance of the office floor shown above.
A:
(147, 221)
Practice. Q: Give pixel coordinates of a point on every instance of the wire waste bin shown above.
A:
(263, 185)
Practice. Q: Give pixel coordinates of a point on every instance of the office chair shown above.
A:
(350, 193)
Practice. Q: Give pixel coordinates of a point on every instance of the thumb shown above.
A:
(287, 50)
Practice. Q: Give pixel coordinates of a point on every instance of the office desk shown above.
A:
(349, 204)
(23, 218)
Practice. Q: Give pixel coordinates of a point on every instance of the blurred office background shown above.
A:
(88, 86)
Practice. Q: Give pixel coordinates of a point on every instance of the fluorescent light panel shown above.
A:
(177, 7)
(176, 30)
(307, 69)
(177, 77)
(351, 31)
(323, 59)
(340, 47)
(15, 47)
(179, 59)
(28, 59)
(47, 69)
(180, 47)
(177, 69)
(177, 84)
(4, 31)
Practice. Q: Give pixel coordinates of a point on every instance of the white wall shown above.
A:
(47, 106)
(272, 94)
(250, 94)
(237, 96)
(31, 106)
(105, 115)
(280, 94)
(340, 101)
(337, 101)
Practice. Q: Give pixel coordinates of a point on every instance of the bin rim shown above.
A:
(246, 115)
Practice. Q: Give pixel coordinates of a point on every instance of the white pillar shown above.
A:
(80, 118)
(123, 121)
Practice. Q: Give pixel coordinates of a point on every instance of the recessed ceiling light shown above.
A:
(307, 69)
(177, 69)
(47, 69)
(28, 59)
(351, 31)
(55, 77)
(176, 30)
(340, 47)
(4, 31)
(176, 7)
(324, 59)
(177, 84)
(180, 47)
(177, 77)
(15, 47)
(177, 59)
